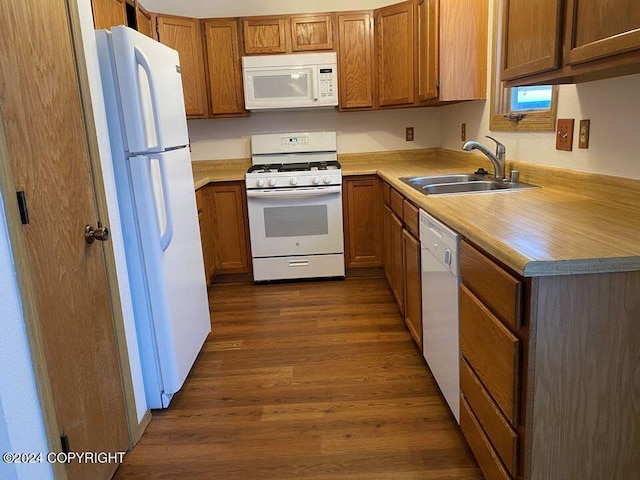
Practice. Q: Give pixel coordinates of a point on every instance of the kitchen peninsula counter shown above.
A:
(576, 223)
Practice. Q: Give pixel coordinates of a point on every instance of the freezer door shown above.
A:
(172, 255)
(150, 84)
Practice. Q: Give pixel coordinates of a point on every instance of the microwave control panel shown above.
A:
(327, 82)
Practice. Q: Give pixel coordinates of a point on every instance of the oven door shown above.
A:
(295, 221)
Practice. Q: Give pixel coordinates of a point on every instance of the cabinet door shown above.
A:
(387, 250)
(311, 32)
(264, 35)
(363, 223)
(355, 60)
(397, 261)
(223, 63)
(207, 237)
(531, 37)
(597, 29)
(395, 52)
(108, 13)
(185, 36)
(413, 286)
(428, 49)
(231, 227)
(143, 19)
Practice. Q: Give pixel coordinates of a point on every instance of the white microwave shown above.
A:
(290, 81)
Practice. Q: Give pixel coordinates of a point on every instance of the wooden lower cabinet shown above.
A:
(207, 238)
(363, 228)
(412, 286)
(231, 227)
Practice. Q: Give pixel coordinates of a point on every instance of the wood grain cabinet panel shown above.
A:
(362, 218)
(231, 227)
(264, 35)
(597, 29)
(428, 48)
(144, 21)
(397, 203)
(531, 37)
(207, 236)
(108, 13)
(395, 54)
(387, 249)
(411, 217)
(185, 36)
(480, 444)
(397, 261)
(497, 288)
(223, 67)
(501, 434)
(355, 60)
(413, 286)
(311, 32)
(492, 351)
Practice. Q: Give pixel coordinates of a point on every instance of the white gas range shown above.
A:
(294, 193)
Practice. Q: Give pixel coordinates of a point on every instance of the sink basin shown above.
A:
(461, 183)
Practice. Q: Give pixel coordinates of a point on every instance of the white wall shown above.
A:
(97, 100)
(225, 138)
(612, 105)
(21, 425)
(242, 8)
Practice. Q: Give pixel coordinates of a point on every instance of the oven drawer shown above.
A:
(312, 266)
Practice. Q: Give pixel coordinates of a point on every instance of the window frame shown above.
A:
(499, 117)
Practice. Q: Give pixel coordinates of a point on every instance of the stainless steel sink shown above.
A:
(461, 183)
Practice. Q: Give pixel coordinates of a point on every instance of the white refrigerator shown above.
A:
(154, 183)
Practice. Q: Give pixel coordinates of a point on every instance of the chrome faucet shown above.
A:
(497, 159)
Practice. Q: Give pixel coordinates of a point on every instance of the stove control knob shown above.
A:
(272, 182)
(260, 182)
(315, 180)
(293, 181)
(327, 179)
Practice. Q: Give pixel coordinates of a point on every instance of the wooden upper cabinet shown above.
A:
(311, 32)
(108, 13)
(223, 66)
(597, 29)
(428, 48)
(144, 21)
(395, 50)
(463, 31)
(531, 36)
(264, 35)
(355, 60)
(185, 36)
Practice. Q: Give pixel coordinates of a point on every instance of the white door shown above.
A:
(150, 85)
(170, 237)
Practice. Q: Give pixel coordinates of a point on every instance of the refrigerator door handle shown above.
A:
(143, 61)
(167, 236)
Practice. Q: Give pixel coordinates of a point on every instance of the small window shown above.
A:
(519, 109)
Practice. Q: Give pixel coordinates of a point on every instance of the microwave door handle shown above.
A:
(314, 83)
(300, 193)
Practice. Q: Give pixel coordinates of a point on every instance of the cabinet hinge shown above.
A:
(64, 442)
(22, 206)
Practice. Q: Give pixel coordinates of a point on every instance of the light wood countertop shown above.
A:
(537, 232)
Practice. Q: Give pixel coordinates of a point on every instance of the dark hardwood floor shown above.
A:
(309, 380)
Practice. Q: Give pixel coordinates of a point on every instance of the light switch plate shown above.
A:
(564, 134)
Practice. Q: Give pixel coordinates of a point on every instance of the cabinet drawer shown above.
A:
(386, 194)
(501, 434)
(492, 351)
(396, 203)
(497, 288)
(486, 456)
(411, 217)
(200, 199)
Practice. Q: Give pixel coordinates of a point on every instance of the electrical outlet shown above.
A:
(583, 134)
(408, 136)
(564, 134)
(463, 132)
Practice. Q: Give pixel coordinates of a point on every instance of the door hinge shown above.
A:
(22, 205)
(64, 442)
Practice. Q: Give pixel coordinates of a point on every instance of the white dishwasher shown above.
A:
(440, 280)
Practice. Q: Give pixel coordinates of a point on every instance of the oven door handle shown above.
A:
(294, 193)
